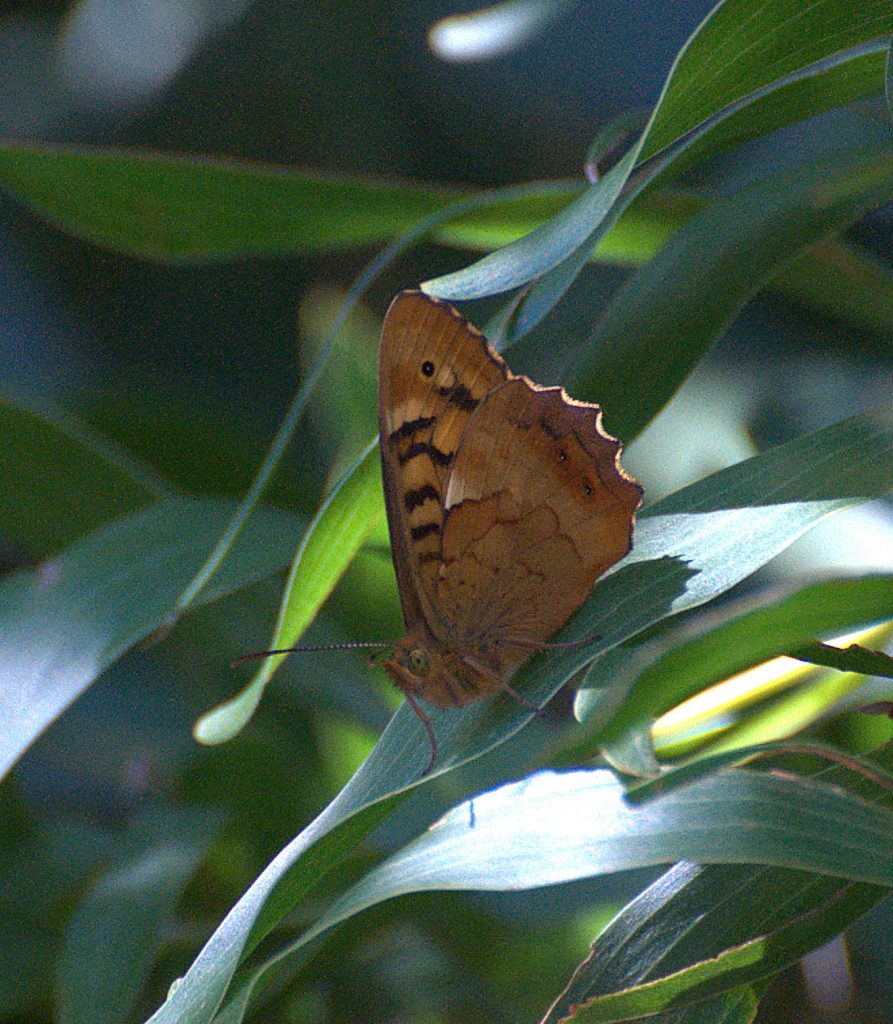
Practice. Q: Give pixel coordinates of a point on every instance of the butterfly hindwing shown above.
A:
(434, 371)
(536, 509)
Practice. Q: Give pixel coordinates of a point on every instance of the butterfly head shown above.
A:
(411, 664)
(423, 667)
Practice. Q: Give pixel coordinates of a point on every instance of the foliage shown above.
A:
(123, 582)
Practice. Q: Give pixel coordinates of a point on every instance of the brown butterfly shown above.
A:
(505, 503)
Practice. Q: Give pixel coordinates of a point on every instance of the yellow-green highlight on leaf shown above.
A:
(346, 518)
(712, 721)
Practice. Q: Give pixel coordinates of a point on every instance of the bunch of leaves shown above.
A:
(789, 856)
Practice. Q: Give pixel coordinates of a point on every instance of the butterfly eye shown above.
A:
(587, 490)
(419, 662)
(562, 456)
(428, 368)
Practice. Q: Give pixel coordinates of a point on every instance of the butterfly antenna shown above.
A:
(254, 655)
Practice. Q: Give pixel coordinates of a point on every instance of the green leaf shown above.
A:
(649, 677)
(844, 280)
(344, 521)
(184, 208)
(843, 78)
(557, 827)
(689, 548)
(681, 301)
(838, 277)
(69, 620)
(180, 208)
(744, 46)
(853, 659)
(113, 937)
(775, 50)
(59, 479)
(579, 225)
(680, 938)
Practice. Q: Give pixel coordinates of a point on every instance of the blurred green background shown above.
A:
(191, 366)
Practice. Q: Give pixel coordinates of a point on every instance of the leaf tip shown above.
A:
(224, 722)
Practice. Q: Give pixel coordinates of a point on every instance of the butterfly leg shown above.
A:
(426, 721)
(521, 699)
(503, 685)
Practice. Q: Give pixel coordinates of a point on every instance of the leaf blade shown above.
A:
(73, 617)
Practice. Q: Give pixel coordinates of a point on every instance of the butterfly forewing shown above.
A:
(434, 371)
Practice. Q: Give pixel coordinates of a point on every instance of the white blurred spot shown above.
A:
(118, 53)
(827, 977)
(49, 573)
(491, 31)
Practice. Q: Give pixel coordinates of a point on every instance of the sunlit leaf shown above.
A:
(689, 548)
(650, 677)
(556, 827)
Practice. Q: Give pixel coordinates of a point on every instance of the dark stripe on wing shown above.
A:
(412, 499)
(548, 429)
(408, 428)
(438, 457)
(460, 396)
(425, 530)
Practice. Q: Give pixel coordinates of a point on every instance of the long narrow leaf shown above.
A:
(651, 677)
(679, 302)
(557, 827)
(690, 547)
(69, 620)
(707, 927)
(740, 55)
(345, 520)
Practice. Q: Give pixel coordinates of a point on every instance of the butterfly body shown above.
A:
(505, 502)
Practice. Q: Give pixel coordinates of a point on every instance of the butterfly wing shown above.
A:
(434, 371)
(536, 509)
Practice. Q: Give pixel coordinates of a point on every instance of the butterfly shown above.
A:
(505, 502)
